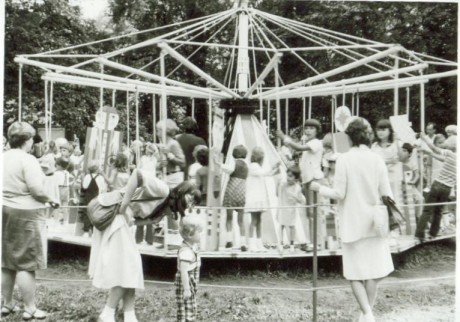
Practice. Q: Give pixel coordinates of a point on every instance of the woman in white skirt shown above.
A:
(115, 262)
(361, 178)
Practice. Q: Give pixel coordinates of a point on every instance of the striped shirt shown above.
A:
(448, 173)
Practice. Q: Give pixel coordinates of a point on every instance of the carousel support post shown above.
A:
(47, 139)
(333, 107)
(138, 152)
(154, 118)
(286, 116)
(309, 107)
(113, 97)
(261, 109)
(304, 112)
(193, 107)
(278, 112)
(128, 142)
(357, 103)
(396, 90)
(353, 104)
(101, 105)
(163, 116)
(210, 122)
(315, 254)
(268, 118)
(51, 110)
(407, 101)
(20, 94)
(422, 125)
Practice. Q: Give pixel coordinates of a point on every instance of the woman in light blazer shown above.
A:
(361, 178)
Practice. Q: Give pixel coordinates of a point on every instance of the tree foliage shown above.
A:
(31, 28)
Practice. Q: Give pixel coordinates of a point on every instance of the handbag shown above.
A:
(103, 209)
(395, 217)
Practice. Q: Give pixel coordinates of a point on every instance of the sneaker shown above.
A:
(85, 235)
(37, 315)
(244, 248)
(229, 245)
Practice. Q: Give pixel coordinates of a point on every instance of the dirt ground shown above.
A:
(63, 289)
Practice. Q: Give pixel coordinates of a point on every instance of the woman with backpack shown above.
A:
(115, 262)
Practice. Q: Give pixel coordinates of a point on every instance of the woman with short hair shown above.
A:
(361, 179)
(24, 240)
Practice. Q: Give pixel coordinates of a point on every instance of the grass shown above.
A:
(67, 301)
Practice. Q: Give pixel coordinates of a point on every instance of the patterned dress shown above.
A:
(235, 193)
(187, 308)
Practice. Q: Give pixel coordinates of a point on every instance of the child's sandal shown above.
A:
(6, 310)
(37, 315)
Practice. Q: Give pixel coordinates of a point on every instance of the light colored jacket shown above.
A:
(361, 178)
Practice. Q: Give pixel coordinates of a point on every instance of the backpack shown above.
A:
(92, 191)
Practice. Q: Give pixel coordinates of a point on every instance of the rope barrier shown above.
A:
(261, 288)
(295, 207)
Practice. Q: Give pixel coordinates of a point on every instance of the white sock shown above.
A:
(108, 314)
(130, 316)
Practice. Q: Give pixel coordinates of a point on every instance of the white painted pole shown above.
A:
(101, 95)
(268, 117)
(407, 101)
(137, 117)
(310, 100)
(113, 97)
(333, 107)
(357, 103)
(278, 112)
(51, 109)
(163, 114)
(243, 55)
(286, 116)
(264, 74)
(422, 124)
(47, 139)
(261, 110)
(128, 142)
(193, 107)
(396, 89)
(304, 113)
(20, 94)
(353, 104)
(154, 118)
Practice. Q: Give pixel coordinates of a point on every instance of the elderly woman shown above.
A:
(361, 178)
(24, 242)
(115, 262)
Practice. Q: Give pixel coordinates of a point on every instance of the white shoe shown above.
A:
(280, 249)
(368, 317)
(252, 245)
(291, 248)
(85, 235)
(103, 318)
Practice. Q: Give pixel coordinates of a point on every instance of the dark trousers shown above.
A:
(438, 193)
(148, 234)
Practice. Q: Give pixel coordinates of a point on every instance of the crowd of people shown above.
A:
(173, 174)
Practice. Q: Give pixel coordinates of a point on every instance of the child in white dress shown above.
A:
(257, 196)
(289, 195)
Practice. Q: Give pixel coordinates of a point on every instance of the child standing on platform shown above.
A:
(257, 199)
(289, 195)
(188, 268)
(63, 178)
(235, 193)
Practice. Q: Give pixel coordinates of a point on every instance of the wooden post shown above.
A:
(310, 99)
(396, 90)
(20, 94)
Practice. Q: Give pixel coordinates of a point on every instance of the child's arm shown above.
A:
(184, 268)
(416, 177)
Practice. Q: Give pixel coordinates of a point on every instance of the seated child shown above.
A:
(188, 268)
(290, 195)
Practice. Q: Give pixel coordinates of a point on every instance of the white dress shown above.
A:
(256, 189)
(115, 259)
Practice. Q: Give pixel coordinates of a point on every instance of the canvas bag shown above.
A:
(103, 209)
(387, 217)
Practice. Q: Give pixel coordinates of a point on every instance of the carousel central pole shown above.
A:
(243, 55)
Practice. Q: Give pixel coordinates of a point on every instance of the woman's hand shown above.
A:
(187, 294)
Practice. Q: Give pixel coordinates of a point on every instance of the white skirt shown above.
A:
(115, 259)
(366, 259)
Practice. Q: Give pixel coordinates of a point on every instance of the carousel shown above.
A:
(241, 100)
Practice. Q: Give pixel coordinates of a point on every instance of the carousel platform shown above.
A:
(65, 234)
